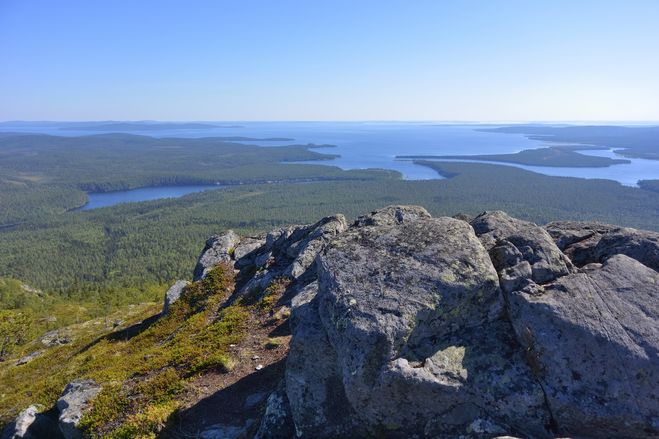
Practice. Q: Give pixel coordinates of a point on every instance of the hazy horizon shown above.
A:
(374, 121)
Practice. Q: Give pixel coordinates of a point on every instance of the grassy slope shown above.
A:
(147, 368)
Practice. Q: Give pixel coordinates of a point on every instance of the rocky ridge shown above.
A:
(404, 325)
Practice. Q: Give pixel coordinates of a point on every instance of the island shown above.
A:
(553, 156)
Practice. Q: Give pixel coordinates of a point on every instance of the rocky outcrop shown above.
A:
(406, 325)
(219, 248)
(521, 251)
(591, 339)
(587, 242)
(20, 428)
(33, 423)
(29, 357)
(405, 331)
(72, 405)
(173, 294)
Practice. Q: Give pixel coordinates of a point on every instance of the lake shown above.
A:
(376, 144)
(106, 199)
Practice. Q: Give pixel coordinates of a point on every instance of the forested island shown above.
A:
(554, 156)
(638, 141)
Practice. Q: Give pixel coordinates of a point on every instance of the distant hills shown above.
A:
(145, 126)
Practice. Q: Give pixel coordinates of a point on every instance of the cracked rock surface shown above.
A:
(405, 325)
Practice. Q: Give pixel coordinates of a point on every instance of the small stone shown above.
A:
(72, 405)
(255, 357)
(259, 367)
(26, 359)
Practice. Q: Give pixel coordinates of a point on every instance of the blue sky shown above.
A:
(329, 60)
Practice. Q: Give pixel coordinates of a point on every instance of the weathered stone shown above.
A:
(588, 242)
(55, 338)
(407, 311)
(225, 431)
(218, 249)
(510, 240)
(463, 217)
(313, 242)
(173, 294)
(408, 326)
(569, 233)
(245, 252)
(32, 423)
(20, 427)
(72, 405)
(313, 381)
(392, 215)
(276, 422)
(28, 358)
(592, 340)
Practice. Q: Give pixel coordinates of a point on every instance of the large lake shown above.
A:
(106, 199)
(370, 145)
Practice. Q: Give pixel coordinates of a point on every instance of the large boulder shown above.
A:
(21, 426)
(219, 248)
(590, 242)
(173, 294)
(288, 252)
(392, 215)
(404, 334)
(32, 423)
(405, 325)
(592, 341)
(72, 405)
(521, 251)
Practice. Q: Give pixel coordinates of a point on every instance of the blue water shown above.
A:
(364, 145)
(105, 199)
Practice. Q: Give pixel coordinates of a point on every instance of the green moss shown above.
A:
(141, 373)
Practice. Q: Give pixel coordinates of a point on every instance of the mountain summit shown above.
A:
(402, 325)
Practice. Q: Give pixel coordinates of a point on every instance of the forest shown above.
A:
(634, 141)
(124, 253)
(554, 156)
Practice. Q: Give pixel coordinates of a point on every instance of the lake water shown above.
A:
(373, 145)
(106, 199)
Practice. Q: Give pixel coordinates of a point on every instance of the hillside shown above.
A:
(397, 324)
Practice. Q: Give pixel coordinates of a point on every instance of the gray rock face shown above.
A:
(72, 404)
(218, 249)
(287, 253)
(521, 251)
(54, 338)
(28, 358)
(405, 325)
(276, 422)
(392, 215)
(173, 294)
(222, 431)
(592, 340)
(245, 251)
(405, 331)
(588, 242)
(20, 428)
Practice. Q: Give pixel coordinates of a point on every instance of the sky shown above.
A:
(241, 60)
